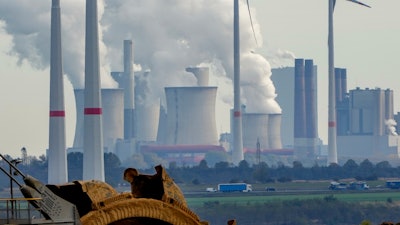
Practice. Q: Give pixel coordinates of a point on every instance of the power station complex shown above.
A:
(366, 124)
(119, 121)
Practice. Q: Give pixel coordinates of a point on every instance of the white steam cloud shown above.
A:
(168, 36)
(391, 126)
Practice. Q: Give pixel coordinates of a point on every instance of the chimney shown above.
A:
(311, 103)
(93, 152)
(299, 100)
(129, 94)
(338, 85)
(57, 155)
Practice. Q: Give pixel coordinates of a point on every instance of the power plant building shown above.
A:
(366, 125)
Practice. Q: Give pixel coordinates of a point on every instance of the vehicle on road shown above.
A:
(270, 189)
(393, 184)
(232, 187)
(337, 186)
(358, 185)
(211, 189)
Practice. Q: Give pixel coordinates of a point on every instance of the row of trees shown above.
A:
(221, 172)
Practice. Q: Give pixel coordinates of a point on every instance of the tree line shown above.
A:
(221, 172)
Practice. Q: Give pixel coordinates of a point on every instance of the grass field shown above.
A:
(253, 199)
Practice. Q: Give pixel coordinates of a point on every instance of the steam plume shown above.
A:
(168, 37)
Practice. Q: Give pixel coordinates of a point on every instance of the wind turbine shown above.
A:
(332, 146)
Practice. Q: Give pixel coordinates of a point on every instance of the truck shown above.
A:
(358, 185)
(337, 186)
(393, 184)
(232, 187)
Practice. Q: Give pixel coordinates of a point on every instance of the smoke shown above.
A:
(167, 37)
(281, 58)
(29, 25)
(391, 127)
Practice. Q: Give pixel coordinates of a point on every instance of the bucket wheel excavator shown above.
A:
(154, 199)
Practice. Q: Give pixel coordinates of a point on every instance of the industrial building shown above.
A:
(366, 125)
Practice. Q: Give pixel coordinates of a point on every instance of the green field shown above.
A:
(244, 198)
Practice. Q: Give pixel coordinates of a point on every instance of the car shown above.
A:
(270, 189)
(210, 189)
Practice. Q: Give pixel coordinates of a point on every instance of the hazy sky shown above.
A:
(364, 44)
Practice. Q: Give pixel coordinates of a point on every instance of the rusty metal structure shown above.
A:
(154, 199)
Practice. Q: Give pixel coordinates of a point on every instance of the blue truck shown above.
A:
(393, 184)
(231, 187)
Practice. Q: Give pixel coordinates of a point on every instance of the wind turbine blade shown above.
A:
(355, 1)
(334, 3)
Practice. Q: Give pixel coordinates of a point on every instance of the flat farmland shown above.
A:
(260, 198)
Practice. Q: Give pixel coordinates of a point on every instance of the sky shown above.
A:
(169, 35)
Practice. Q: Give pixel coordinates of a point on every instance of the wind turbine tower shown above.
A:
(93, 156)
(237, 152)
(57, 154)
(332, 145)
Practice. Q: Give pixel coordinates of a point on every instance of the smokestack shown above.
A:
(338, 85)
(311, 103)
(237, 152)
(299, 100)
(129, 94)
(93, 156)
(201, 74)
(343, 76)
(57, 155)
(389, 110)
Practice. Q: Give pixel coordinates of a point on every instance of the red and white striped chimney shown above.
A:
(57, 155)
(93, 156)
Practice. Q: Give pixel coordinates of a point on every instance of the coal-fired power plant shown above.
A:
(93, 157)
(57, 170)
(124, 121)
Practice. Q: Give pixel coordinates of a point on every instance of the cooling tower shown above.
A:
(191, 116)
(57, 158)
(113, 123)
(129, 94)
(201, 74)
(255, 128)
(299, 100)
(274, 131)
(93, 157)
(147, 117)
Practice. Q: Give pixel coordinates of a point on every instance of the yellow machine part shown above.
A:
(124, 208)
